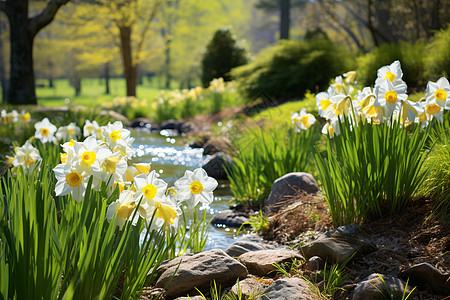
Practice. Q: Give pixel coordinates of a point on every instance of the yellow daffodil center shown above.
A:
(433, 109)
(26, 117)
(71, 143)
(331, 130)
(63, 157)
(109, 165)
(390, 76)
(126, 210)
(121, 186)
(115, 135)
(196, 187)
(391, 97)
(88, 157)
(303, 120)
(44, 131)
(422, 117)
(339, 87)
(28, 160)
(167, 213)
(325, 103)
(440, 94)
(73, 179)
(70, 131)
(149, 191)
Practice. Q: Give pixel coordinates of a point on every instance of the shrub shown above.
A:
(411, 56)
(222, 54)
(438, 59)
(288, 69)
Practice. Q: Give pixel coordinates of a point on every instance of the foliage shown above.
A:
(330, 280)
(371, 169)
(222, 54)
(392, 295)
(438, 58)
(259, 223)
(411, 56)
(288, 69)
(264, 156)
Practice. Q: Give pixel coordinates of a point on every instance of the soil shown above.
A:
(403, 240)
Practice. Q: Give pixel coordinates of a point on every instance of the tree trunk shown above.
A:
(107, 89)
(129, 67)
(167, 63)
(21, 83)
(3, 81)
(285, 7)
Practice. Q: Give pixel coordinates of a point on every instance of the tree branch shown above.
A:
(145, 29)
(45, 17)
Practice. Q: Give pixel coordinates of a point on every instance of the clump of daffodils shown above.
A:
(25, 156)
(14, 117)
(104, 156)
(387, 100)
(302, 120)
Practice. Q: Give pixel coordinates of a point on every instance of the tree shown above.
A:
(23, 29)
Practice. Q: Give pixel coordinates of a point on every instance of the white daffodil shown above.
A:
(440, 92)
(114, 165)
(69, 152)
(25, 117)
(323, 100)
(92, 128)
(166, 215)
(70, 181)
(114, 133)
(302, 120)
(409, 111)
(66, 133)
(331, 128)
(124, 147)
(136, 169)
(433, 110)
(150, 187)
(390, 96)
(122, 209)
(339, 107)
(338, 85)
(26, 156)
(195, 187)
(45, 131)
(89, 155)
(393, 73)
(350, 77)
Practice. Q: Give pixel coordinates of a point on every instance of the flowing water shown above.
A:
(171, 158)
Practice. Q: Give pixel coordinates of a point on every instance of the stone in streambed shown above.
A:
(229, 218)
(427, 277)
(287, 289)
(215, 165)
(245, 244)
(338, 245)
(261, 262)
(373, 288)
(247, 287)
(185, 273)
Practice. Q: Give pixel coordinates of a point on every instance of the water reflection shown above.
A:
(171, 158)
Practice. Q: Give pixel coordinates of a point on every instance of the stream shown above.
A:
(170, 157)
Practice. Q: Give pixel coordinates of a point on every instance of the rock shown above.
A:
(198, 297)
(372, 288)
(214, 166)
(245, 244)
(288, 289)
(338, 245)
(170, 124)
(141, 123)
(314, 264)
(229, 218)
(185, 273)
(287, 186)
(247, 287)
(261, 262)
(427, 277)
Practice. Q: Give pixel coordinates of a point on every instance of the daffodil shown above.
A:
(136, 169)
(302, 120)
(392, 73)
(390, 96)
(338, 85)
(66, 133)
(150, 187)
(26, 156)
(114, 167)
(167, 212)
(195, 187)
(350, 77)
(121, 210)
(339, 107)
(71, 180)
(331, 128)
(114, 133)
(440, 92)
(323, 100)
(45, 131)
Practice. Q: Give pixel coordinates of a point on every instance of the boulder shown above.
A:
(141, 123)
(185, 273)
(287, 186)
(251, 242)
(214, 166)
(198, 297)
(262, 262)
(287, 289)
(248, 287)
(427, 277)
(373, 288)
(338, 245)
(229, 218)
